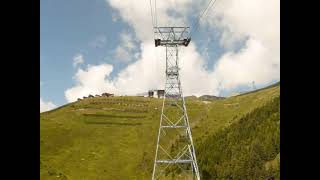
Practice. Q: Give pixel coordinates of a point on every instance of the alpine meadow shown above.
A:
(114, 137)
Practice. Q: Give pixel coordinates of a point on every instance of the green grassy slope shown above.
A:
(243, 150)
(114, 138)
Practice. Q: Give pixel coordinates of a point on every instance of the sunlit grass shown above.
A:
(115, 137)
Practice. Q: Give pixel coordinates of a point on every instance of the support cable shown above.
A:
(152, 19)
(155, 10)
(196, 23)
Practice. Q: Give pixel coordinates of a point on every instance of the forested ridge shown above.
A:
(247, 149)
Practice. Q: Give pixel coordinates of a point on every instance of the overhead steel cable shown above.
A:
(153, 26)
(155, 10)
(152, 18)
(205, 15)
(202, 15)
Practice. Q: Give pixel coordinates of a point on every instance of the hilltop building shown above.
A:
(156, 93)
(107, 95)
(150, 93)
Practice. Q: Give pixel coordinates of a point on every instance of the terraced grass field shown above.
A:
(115, 137)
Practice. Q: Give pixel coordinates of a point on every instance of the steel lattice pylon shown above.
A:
(175, 154)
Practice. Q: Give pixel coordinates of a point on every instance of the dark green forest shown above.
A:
(247, 149)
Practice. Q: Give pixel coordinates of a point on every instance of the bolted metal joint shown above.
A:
(186, 41)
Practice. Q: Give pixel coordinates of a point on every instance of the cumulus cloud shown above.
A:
(258, 22)
(254, 23)
(252, 63)
(98, 42)
(46, 106)
(77, 60)
(90, 81)
(114, 17)
(124, 52)
(137, 14)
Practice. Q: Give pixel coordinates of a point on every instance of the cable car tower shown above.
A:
(175, 154)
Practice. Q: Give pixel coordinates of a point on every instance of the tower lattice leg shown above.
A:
(175, 154)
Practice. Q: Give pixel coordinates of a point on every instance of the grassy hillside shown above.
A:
(114, 138)
(210, 98)
(244, 150)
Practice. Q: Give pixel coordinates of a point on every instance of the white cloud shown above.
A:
(137, 14)
(124, 52)
(46, 106)
(142, 75)
(127, 40)
(252, 63)
(98, 42)
(90, 81)
(114, 17)
(256, 21)
(77, 60)
(259, 59)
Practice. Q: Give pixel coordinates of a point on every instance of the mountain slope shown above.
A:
(210, 98)
(242, 150)
(115, 137)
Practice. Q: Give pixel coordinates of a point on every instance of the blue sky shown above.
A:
(66, 29)
(94, 29)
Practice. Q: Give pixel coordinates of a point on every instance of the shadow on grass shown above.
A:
(113, 123)
(114, 116)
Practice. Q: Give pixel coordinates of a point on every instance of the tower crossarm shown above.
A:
(172, 36)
